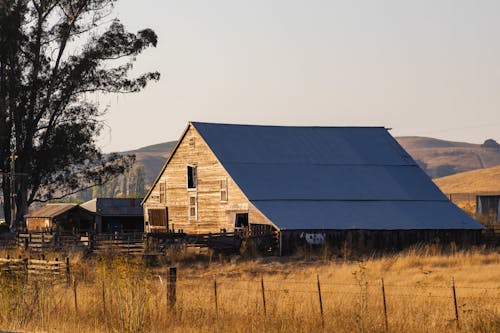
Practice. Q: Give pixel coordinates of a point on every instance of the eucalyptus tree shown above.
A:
(55, 55)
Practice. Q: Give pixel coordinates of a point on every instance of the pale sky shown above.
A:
(427, 68)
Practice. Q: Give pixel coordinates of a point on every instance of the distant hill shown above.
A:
(152, 157)
(438, 158)
(164, 147)
(441, 158)
(484, 180)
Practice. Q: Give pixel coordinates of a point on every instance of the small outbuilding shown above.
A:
(60, 217)
(305, 184)
(116, 214)
(488, 206)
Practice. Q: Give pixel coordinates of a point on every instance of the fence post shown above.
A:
(215, 298)
(385, 306)
(26, 271)
(172, 285)
(455, 301)
(320, 303)
(128, 245)
(75, 284)
(263, 293)
(68, 273)
(103, 295)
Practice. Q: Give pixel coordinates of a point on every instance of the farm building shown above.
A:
(62, 217)
(488, 205)
(308, 184)
(116, 214)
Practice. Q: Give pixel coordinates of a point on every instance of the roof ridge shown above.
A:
(282, 126)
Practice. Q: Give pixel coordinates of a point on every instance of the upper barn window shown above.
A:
(192, 177)
(162, 193)
(223, 190)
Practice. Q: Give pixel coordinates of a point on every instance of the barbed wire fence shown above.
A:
(267, 288)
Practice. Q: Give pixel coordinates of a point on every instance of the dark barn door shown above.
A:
(241, 221)
(158, 217)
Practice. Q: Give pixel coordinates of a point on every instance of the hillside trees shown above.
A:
(54, 55)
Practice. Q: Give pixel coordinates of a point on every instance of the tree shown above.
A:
(54, 54)
(140, 182)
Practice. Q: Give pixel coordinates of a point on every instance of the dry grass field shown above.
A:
(464, 186)
(123, 295)
(476, 181)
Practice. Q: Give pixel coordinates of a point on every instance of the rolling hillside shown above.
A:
(152, 157)
(441, 158)
(438, 158)
(484, 180)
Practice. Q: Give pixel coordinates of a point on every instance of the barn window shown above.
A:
(192, 177)
(223, 190)
(163, 193)
(191, 142)
(193, 208)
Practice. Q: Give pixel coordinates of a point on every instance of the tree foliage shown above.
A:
(54, 55)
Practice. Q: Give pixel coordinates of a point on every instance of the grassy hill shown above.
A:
(152, 157)
(441, 158)
(484, 180)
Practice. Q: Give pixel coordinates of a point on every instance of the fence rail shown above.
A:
(36, 268)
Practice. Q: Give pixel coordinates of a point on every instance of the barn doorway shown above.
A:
(241, 221)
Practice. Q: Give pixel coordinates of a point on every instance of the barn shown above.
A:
(310, 184)
(60, 217)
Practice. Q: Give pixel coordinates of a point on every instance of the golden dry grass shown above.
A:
(476, 181)
(123, 295)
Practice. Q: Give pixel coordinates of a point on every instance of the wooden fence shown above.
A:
(27, 268)
(118, 243)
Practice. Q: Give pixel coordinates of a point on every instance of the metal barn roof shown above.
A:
(331, 178)
(115, 206)
(51, 210)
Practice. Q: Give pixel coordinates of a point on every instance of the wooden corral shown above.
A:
(54, 270)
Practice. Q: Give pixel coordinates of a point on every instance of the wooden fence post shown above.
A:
(26, 271)
(263, 294)
(172, 286)
(75, 285)
(320, 303)
(385, 306)
(215, 298)
(455, 301)
(68, 273)
(103, 295)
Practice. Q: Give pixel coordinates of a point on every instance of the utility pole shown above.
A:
(13, 224)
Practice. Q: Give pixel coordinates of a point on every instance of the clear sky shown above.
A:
(427, 68)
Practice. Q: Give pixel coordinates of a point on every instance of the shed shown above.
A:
(304, 182)
(116, 214)
(488, 205)
(60, 217)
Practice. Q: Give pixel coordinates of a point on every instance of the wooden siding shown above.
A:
(38, 223)
(212, 213)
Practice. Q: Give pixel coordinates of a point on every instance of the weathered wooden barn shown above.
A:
(116, 214)
(309, 184)
(60, 217)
